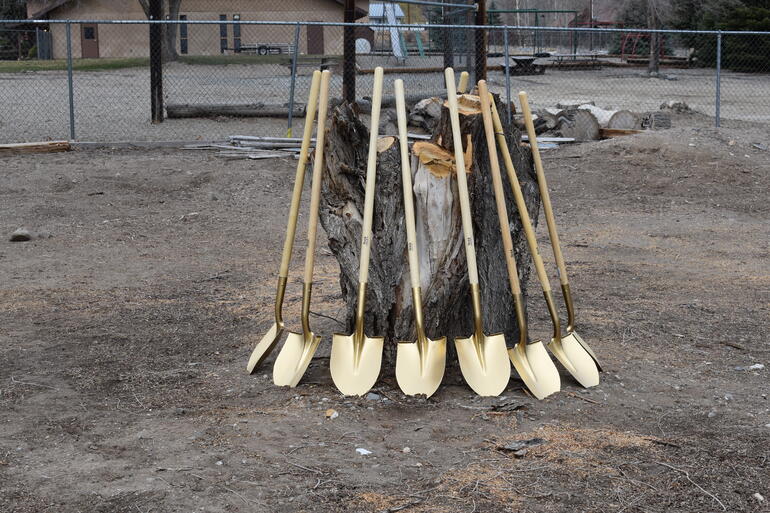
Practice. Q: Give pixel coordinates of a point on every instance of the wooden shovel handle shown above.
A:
(543, 186)
(462, 87)
(462, 180)
(318, 163)
(406, 180)
(497, 184)
(521, 204)
(299, 177)
(371, 178)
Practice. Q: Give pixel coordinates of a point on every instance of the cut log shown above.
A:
(656, 120)
(580, 125)
(609, 133)
(253, 110)
(624, 120)
(34, 147)
(444, 281)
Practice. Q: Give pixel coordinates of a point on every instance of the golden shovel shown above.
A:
(573, 353)
(419, 365)
(483, 359)
(356, 359)
(298, 350)
(530, 360)
(268, 342)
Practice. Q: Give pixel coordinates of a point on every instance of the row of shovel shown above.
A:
(485, 361)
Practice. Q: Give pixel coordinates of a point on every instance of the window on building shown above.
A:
(183, 48)
(222, 33)
(89, 33)
(236, 33)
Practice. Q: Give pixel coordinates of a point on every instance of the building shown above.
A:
(103, 40)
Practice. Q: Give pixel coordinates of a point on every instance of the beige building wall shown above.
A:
(132, 40)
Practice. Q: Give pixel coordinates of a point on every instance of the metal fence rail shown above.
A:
(89, 80)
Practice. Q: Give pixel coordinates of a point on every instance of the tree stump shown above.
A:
(443, 272)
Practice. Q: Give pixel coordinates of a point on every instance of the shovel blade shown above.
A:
(536, 369)
(264, 347)
(355, 374)
(294, 358)
(488, 369)
(420, 372)
(576, 360)
(588, 349)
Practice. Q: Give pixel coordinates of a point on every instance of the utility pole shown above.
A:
(480, 68)
(349, 53)
(156, 61)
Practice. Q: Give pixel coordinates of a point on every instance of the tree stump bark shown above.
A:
(443, 272)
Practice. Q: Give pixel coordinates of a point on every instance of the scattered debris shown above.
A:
(406, 450)
(518, 445)
(756, 366)
(678, 107)
(332, 414)
(759, 497)
(21, 235)
(362, 451)
(759, 146)
(371, 396)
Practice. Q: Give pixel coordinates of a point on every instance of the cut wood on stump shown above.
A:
(443, 272)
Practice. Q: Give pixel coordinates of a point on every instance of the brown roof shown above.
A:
(50, 5)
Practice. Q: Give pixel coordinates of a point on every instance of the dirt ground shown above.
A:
(129, 318)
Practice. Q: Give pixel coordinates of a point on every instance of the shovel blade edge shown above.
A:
(588, 349)
(420, 373)
(264, 347)
(294, 359)
(489, 373)
(351, 375)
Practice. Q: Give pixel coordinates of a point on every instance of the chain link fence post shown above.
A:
(292, 86)
(506, 67)
(718, 106)
(71, 92)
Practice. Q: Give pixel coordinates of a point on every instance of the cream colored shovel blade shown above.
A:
(487, 374)
(576, 360)
(264, 348)
(351, 375)
(588, 349)
(294, 359)
(420, 372)
(536, 369)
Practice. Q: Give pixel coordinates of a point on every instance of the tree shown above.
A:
(171, 12)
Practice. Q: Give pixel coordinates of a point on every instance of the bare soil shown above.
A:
(128, 320)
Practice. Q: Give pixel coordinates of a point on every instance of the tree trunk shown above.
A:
(653, 67)
(171, 11)
(443, 272)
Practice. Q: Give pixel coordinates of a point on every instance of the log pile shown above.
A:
(587, 122)
(446, 300)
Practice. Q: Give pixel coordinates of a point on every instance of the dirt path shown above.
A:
(126, 333)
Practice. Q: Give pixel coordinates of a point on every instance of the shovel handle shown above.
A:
(315, 193)
(521, 204)
(371, 177)
(543, 186)
(406, 180)
(462, 88)
(299, 177)
(462, 180)
(497, 185)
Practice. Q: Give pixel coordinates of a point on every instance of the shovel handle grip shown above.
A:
(462, 180)
(371, 177)
(299, 177)
(318, 162)
(406, 180)
(543, 186)
(521, 204)
(462, 87)
(497, 185)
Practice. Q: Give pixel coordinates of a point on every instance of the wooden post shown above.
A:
(349, 53)
(480, 68)
(156, 62)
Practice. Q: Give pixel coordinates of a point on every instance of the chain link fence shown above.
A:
(90, 80)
